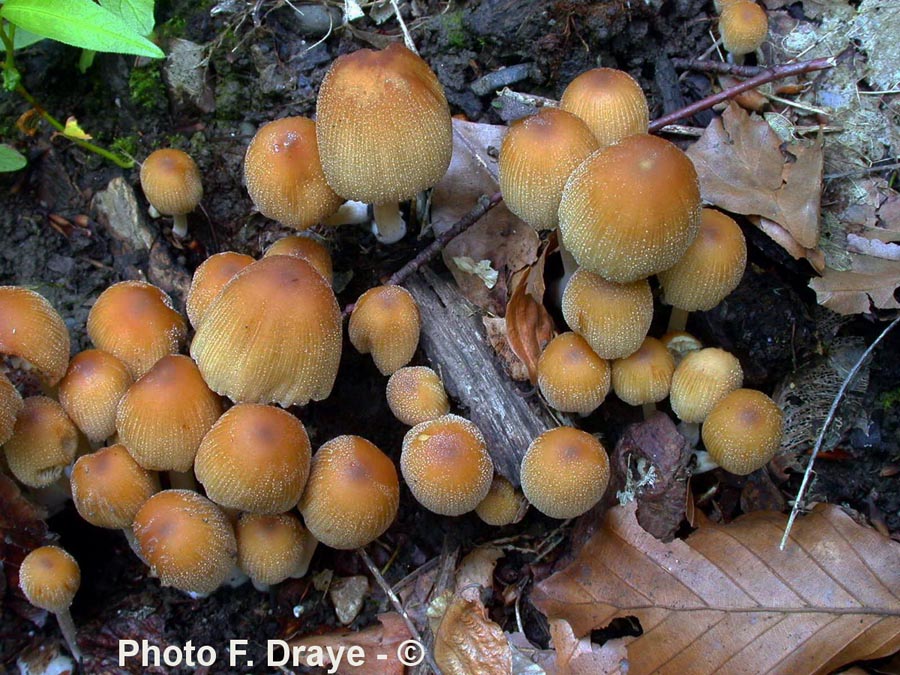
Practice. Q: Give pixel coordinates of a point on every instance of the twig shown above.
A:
(407, 38)
(828, 420)
(768, 75)
(706, 66)
(863, 171)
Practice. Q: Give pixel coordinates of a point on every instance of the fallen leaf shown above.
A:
(467, 641)
(481, 269)
(868, 281)
(74, 130)
(726, 599)
(529, 326)
(495, 331)
(571, 656)
(477, 568)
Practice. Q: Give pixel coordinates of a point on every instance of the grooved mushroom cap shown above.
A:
(284, 175)
(632, 209)
(209, 279)
(109, 487)
(502, 504)
(743, 431)
(43, 443)
(186, 539)
(710, 269)
(134, 321)
(32, 330)
(255, 458)
(564, 472)
(610, 102)
(272, 335)
(537, 156)
(613, 318)
(305, 247)
(446, 464)
(416, 394)
(645, 376)
(744, 26)
(701, 380)
(10, 405)
(385, 322)
(171, 182)
(383, 125)
(49, 577)
(164, 415)
(271, 548)
(352, 495)
(91, 390)
(571, 376)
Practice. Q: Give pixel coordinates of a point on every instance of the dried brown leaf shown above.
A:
(726, 599)
(495, 330)
(869, 281)
(571, 656)
(529, 326)
(477, 568)
(467, 641)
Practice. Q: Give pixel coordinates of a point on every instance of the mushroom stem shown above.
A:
(179, 225)
(648, 409)
(570, 265)
(388, 226)
(349, 213)
(677, 319)
(67, 626)
(703, 462)
(183, 480)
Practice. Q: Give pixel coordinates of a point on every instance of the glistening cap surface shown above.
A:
(610, 102)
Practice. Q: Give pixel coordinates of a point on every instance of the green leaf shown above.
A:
(136, 13)
(80, 23)
(11, 159)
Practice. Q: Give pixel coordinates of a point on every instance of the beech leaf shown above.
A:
(726, 599)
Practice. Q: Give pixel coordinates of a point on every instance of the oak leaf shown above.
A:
(869, 280)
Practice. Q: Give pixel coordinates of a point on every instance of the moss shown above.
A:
(889, 399)
(457, 38)
(146, 88)
(125, 145)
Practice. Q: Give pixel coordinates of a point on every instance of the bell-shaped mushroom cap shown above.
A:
(613, 318)
(701, 380)
(646, 375)
(109, 487)
(10, 406)
(186, 539)
(383, 125)
(273, 335)
(416, 394)
(385, 322)
(502, 505)
(564, 472)
(209, 279)
(446, 464)
(91, 390)
(537, 156)
(610, 102)
(303, 246)
(165, 414)
(49, 577)
(171, 182)
(32, 330)
(43, 443)
(743, 431)
(571, 376)
(744, 26)
(710, 269)
(134, 321)
(632, 209)
(284, 175)
(255, 458)
(272, 548)
(352, 495)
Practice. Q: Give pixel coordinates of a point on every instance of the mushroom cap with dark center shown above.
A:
(386, 323)
(49, 577)
(744, 26)
(571, 376)
(743, 431)
(645, 376)
(171, 182)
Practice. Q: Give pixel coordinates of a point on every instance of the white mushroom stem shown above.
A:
(703, 462)
(179, 225)
(67, 626)
(677, 319)
(388, 227)
(349, 213)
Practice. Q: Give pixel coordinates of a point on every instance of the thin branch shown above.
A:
(864, 171)
(798, 501)
(705, 66)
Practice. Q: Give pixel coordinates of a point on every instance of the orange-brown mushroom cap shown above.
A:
(171, 182)
(415, 394)
(645, 376)
(571, 376)
(272, 548)
(32, 330)
(10, 406)
(91, 390)
(43, 443)
(502, 505)
(352, 495)
(744, 26)
(743, 431)
(284, 174)
(385, 322)
(186, 539)
(49, 577)
(610, 102)
(302, 246)
(702, 379)
(209, 279)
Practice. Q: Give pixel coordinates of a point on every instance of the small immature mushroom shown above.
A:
(91, 390)
(255, 458)
(209, 279)
(43, 443)
(134, 321)
(385, 322)
(49, 577)
(352, 495)
(610, 101)
(571, 376)
(743, 431)
(613, 318)
(446, 464)
(284, 174)
(564, 472)
(171, 182)
(744, 26)
(680, 343)
(32, 330)
(701, 380)
(186, 540)
(644, 377)
(503, 504)
(271, 548)
(415, 394)
(10, 406)
(303, 246)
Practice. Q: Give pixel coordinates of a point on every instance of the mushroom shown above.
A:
(744, 26)
(570, 375)
(43, 443)
(644, 378)
(701, 380)
(680, 343)
(385, 322)
(446, 464)
(32, 330)
(565, 472)
(209, 280)
(415, 394)
(271, 548)
(610, 102)
(503, 504)
(284, 174)
(384, 131)
(49, 577)
(10, 406)
(91, 390)
(171, 182)
(743, 431)
(352, 495)
(304, 246)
